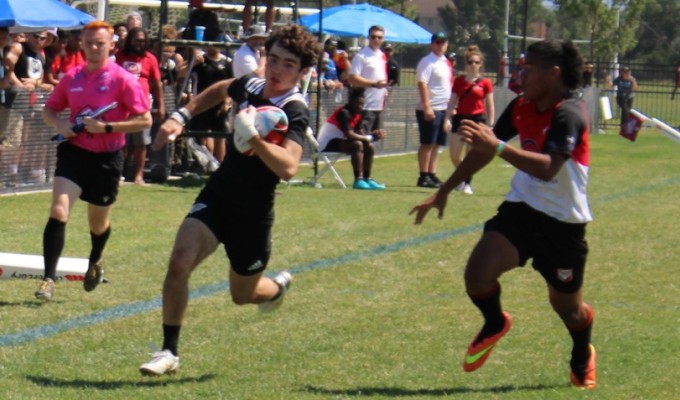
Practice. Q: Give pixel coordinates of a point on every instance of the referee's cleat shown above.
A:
(480, 348)
(586, 379)
(162, 363)
(283, 279)
(93, 276)
(45, 290)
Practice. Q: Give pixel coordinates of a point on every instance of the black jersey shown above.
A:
(29, 65)
(246, 180)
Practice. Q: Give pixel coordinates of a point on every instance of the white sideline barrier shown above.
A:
(25, 266)
(666, 129)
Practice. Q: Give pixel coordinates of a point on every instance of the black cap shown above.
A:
(331, 42)
(438, 36)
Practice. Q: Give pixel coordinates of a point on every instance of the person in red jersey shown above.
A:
(472, 98)
(544, 215)
(140, 62)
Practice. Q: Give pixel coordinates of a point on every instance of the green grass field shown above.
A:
(378, 308)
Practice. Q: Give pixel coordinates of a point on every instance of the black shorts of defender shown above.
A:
(244, 232)
(456, 119)
(559, 249)
(97, 174)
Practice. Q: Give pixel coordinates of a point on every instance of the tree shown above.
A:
(610, 26)
(659, 33)
(482, 22)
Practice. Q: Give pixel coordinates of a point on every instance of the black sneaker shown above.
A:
(427, 182)
(436, 179)
(93, 276)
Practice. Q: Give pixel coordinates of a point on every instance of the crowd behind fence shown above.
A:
(28, 151)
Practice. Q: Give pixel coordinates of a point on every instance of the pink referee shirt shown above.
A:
(83, 92)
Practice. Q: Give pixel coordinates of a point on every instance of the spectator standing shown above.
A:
(210, 68)
(677, 80)
(343, 132)
(626, 86)
(342, 62)
(120, 33)
(393, 69)
(544, 216)
(452, 59)
(270, 14)
(515, 83)
(136, 59)
(369, 70)
(89, 164)
(588, 69)
(26, 66)
(472, 99)
(236, 206)
(434, 78)
(249, 58)
(8, 119)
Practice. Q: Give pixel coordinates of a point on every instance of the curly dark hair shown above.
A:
(298, 41)
(561, 53)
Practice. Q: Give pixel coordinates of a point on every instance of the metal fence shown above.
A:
(28, 156)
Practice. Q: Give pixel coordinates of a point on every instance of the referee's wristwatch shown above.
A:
(108, 128)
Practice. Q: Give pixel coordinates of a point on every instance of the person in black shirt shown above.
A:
(211, 67)
(392, 66)
(236, 206)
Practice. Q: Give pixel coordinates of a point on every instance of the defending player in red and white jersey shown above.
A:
(545, 214)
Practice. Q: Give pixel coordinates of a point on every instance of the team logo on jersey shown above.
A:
(565, 275)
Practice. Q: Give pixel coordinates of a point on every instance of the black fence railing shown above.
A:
(27, 156)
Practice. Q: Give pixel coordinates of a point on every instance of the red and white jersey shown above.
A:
(561, 129)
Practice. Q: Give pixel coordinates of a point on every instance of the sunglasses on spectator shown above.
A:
(40, 37)
(376, 37)
(472, 62)
(440, 41)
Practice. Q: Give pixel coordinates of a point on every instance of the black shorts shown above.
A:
(455, 121)
(371, 120)
(244, 232)
(97, 174)
(559, 249)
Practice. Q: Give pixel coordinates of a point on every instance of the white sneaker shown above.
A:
(468, 189)
(283, 279)
(163, 362)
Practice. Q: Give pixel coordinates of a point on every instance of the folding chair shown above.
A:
(328, 159)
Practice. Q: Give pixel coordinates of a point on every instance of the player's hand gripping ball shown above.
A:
(270, 122)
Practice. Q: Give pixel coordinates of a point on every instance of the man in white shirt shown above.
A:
(249, 58)
(435, 80)
(369, 70)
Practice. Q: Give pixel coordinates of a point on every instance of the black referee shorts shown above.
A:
(97, 174)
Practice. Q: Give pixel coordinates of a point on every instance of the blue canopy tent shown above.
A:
(354, 20)
(32, 15)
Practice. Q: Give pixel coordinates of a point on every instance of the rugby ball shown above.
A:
(271, 123)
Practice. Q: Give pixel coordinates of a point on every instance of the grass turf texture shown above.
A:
(378, 308)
